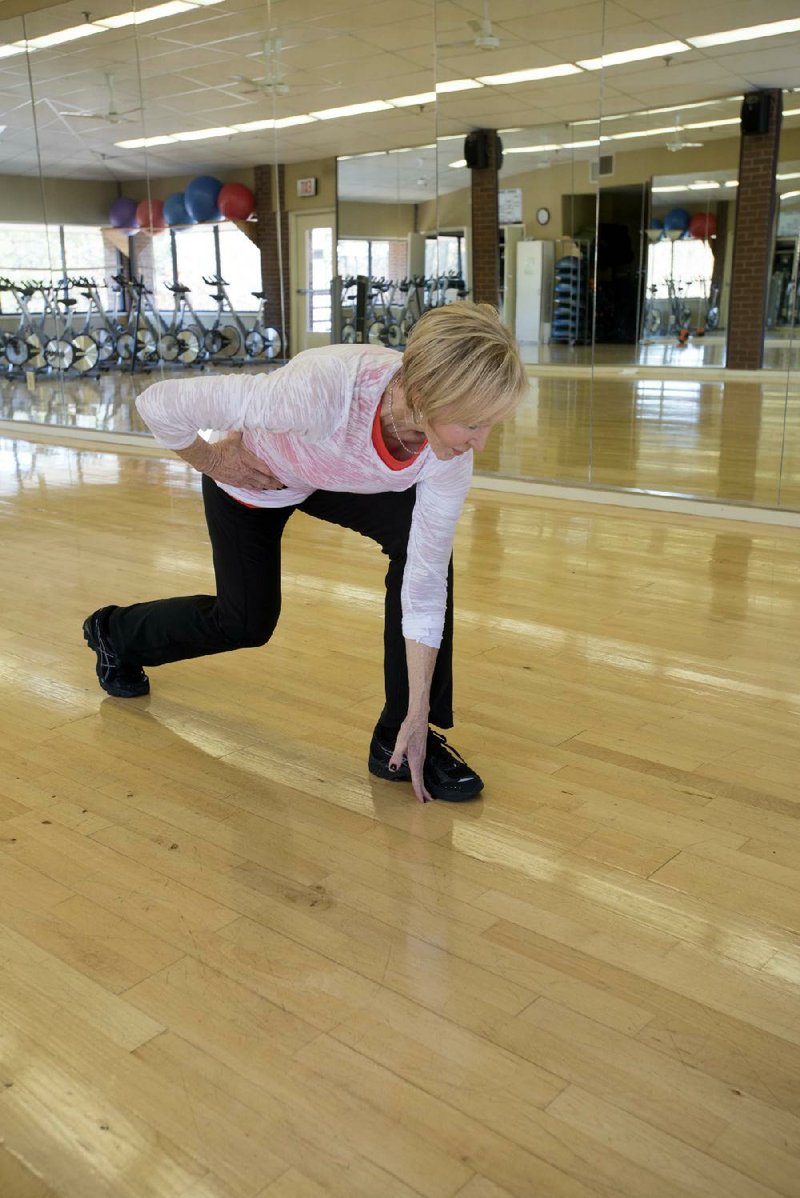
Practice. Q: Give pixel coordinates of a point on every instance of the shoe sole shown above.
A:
(115, 692)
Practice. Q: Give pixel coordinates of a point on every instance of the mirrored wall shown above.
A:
(212, 186)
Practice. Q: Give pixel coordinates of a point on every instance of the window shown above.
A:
(45, 254)
(444, 255)
(688, 265)
(377, 257)
(320, 268)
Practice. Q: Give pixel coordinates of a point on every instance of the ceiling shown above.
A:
(187, 72)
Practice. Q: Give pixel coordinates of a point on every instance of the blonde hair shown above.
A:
(462, 358)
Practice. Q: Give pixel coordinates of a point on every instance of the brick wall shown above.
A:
(752, 247)
(485, 280)
(274, 253)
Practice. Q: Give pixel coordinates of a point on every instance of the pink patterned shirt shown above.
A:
(311, 422)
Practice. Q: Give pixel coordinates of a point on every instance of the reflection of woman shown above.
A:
(360, 437)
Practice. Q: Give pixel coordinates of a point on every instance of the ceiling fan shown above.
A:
(675, 142)
(485, 37)
(273, 82)
(112, 115)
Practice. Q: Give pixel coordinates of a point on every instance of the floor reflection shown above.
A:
(781, 352)
(675, 435)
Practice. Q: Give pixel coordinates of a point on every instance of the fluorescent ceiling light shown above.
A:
(10, 51)
(732, 183)
(142, 16)
(141, 143)
(790, 175)
(286, 122)
(665, 129)
(458, 165)
(202, 134)
(703, 185)
(790, 195)
(791, 112)
(457, 85)
(63, 35)
(731, 120)
(562, 68)
(624, 116)
(747, 34)
(670, 187)
(659, 50)
(530, 149)
(413, 101)
(581, 145)
(254, 126)
(331, 114)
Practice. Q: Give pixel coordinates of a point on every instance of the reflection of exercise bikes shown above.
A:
(679, 311)
(651, 321)
(183, 338)
(228, 335)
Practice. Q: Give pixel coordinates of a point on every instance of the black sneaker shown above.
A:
(117, 677)
(446, 773)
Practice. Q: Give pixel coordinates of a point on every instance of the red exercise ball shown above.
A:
(703, 225)
(150, 214)
(236, 202)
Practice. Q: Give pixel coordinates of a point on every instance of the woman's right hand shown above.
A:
(231, 463)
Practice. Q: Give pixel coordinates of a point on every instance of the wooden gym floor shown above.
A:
(235, 966)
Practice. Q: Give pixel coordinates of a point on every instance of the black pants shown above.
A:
(246, 544)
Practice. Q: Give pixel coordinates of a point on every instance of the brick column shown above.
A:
(272, 238)
(752, 246)
(485, 281)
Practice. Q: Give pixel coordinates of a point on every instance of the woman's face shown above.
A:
(449, 437)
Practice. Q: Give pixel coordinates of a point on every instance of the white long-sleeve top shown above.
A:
(311, 423)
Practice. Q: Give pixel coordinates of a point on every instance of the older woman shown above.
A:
(360, 437)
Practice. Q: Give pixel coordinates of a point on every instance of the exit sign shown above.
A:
(306, 187)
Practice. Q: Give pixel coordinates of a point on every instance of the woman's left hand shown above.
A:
(412, 742)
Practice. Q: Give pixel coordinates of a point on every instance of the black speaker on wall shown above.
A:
(477, 146)
(755, 112)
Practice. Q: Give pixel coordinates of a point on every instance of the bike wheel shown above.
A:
(17, 351)
(213, 341)
(273, 344)
(376, 333)
(231, 341)
(190, 348)
(58, 353)
(126, 343)
(652, 322)
(86, 353)
(146, 346)
(394, 335)
(106, 344)
(254, 344)
(36, 358)
(169, 347)
(712, 320)
(348, 334)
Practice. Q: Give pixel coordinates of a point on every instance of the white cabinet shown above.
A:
(534, 287)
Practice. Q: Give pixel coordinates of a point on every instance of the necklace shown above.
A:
(407, 448)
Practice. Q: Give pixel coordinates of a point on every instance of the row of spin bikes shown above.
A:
(393, 306)
(49, 337)
(676, 317)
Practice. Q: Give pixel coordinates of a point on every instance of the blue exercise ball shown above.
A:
(656, 222)
(175, 210)
(200, 198)
(677, 218)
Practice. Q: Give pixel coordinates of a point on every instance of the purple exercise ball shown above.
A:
(122, 214)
